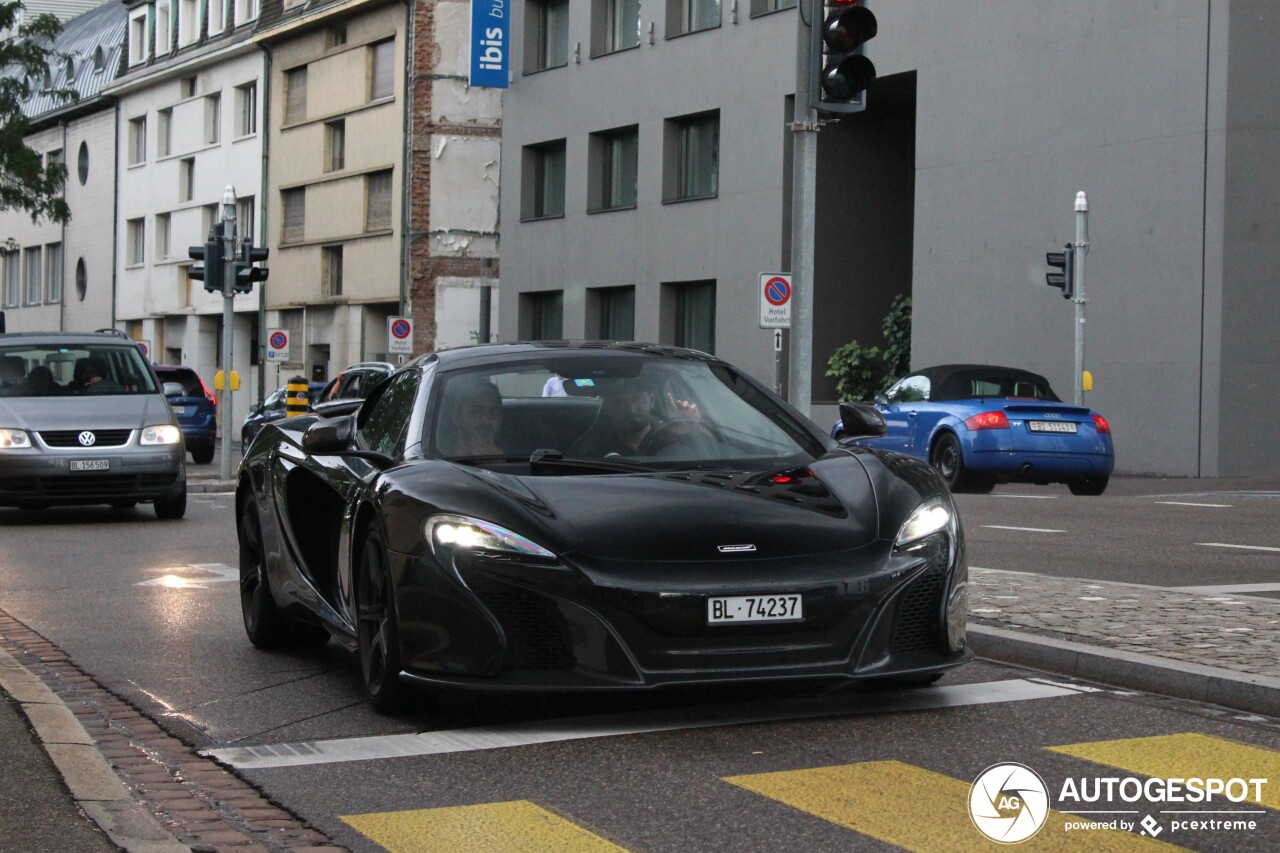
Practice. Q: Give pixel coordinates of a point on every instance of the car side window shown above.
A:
(913, 389)
(385, 424)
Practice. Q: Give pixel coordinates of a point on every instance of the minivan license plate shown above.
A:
(91, 465)
(741, 609)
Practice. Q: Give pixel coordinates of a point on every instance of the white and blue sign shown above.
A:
(490, 43)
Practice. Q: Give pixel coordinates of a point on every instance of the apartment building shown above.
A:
(648, 209)
(190, 123)
(60, 277)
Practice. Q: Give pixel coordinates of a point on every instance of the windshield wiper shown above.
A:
(544, 461)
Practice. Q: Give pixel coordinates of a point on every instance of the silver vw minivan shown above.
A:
(84, 420)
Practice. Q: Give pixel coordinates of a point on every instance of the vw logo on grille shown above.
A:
(87, 438)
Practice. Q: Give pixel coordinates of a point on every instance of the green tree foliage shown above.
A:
(26, 182)
(862, 372)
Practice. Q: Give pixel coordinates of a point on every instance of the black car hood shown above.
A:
(700, 515)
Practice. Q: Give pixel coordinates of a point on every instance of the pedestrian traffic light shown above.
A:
(246, 272)
(210, 254)
(1065, 261)
(844, 71)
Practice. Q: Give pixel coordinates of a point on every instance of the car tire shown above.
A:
(947, 459)
(172, 508)
(1093, 486)
(378, 631)
(202, 455)
(262, 621)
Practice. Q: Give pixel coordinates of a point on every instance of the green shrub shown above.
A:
(862, 372)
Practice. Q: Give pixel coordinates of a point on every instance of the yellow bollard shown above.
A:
(296, 400)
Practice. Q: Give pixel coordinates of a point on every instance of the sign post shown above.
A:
(775, 313)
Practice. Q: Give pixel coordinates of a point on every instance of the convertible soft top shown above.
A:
(970, 381)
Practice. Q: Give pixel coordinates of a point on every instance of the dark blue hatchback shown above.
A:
(196, 408)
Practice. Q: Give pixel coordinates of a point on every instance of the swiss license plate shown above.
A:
(179, 410)
(1051, 426)
(740, 609)
(91, 465)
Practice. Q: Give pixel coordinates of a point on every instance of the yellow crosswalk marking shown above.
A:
(513, 827)
(917, 809)
(1188, 756)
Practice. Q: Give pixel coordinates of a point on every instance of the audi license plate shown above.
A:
(740, 609)
(1051, 426)
(91, 465)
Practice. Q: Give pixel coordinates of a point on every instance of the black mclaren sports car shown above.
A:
(561, 516)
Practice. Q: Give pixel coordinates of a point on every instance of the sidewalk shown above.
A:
(208, 478)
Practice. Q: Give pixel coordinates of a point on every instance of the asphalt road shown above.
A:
(150, 608)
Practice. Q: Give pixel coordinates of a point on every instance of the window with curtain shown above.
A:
(617, 313)
(615, 25)
(53, 272)
(621, 158)
(135, 234)
(247, 109)
(377, 216)
(31, 261)
(331, 271)
(545, 180)
(164, 126)
(693, 157)
(696, 316)
(295, 95)
(137, 140)
(12, 278)
(295, 215)
(689, 16)
(382, 58)
(546, 34)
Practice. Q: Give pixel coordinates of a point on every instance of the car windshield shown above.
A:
(623, 411)
(50, 370)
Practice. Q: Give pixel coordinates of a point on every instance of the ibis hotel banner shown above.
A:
(490, 43)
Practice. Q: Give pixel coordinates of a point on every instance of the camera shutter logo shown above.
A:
(87, 438)
(1008, 803)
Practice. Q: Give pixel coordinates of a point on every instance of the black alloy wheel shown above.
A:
(1093, 486)
(948, 459)
(202, 455)
(262, 621)
(172, 508)
(378, 632)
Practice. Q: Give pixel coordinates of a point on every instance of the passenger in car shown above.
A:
(472, 419)
(12, 375)
(40, 382)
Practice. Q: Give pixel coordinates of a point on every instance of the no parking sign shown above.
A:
(144, 347)
(399, 335)
(775, 300)
(277, 345)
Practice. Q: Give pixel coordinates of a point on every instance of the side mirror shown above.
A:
(330, 436)
(174, 389)
(880, 400)
(860, 419)
(255, 408)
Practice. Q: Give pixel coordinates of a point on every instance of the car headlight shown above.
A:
(161, 434)
(448, 533)
(932, 516)
(14, 439)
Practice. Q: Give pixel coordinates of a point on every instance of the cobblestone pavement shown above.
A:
(1234, 632)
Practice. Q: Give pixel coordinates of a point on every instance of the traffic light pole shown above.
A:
(1078, 294)
(804, 181)
(228, 323)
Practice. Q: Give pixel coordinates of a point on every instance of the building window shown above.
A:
(31, 260)
(208, 217)
(137, 245)
(213, 119)
(690, 16)
(336, 36)
(615, 312)
(187, 179)
(187, 87)
(615, 25)
(377, 209)
(546, 35)
(247, 109)
(691, 164)
(543, 180)
(53, 157)
(164, 36)
(164, 130)
(139, 45)
(82, 280)
(695, 315)
(295, 95)
(217, 17)
(335, 145)
(188, 22)
(12, 278)
(295, 214)
(53, 273)
(246, 10)
(764, 7)
(137, 140)
(382, 69)
(163, 249)
(82, 163)
(613, 158)
(542, 316)
(331, 271)
(245, 221)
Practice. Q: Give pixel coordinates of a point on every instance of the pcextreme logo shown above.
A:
(1008, 803)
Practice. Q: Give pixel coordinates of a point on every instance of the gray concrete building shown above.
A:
(986, 119)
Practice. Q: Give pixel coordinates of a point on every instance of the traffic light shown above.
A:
(211, 256)
(246, 272)
(1065, 261)
(844, 71)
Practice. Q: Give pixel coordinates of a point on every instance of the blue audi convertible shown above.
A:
(979, 425)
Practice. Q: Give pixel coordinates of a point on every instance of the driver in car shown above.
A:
(628, 417)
